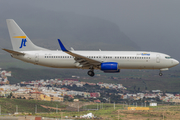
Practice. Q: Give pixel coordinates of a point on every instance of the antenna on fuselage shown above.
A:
(72, 49)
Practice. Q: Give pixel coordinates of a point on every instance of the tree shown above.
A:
(138, 88)
(157, 98)
(145, 88)
(10, 95)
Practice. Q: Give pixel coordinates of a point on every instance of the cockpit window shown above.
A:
(168, 57)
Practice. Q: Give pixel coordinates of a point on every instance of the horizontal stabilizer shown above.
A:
(13, 52)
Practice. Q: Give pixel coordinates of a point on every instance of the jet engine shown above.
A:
(110, 67)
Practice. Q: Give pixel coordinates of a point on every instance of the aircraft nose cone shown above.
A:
(176, 62)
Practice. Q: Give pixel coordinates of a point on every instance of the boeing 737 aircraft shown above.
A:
(107, 61)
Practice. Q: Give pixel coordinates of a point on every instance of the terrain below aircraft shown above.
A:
(107, 61)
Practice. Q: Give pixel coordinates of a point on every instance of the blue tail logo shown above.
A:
(23, 43)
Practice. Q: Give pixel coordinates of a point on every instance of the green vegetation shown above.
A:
(27, 106)
(108, 111)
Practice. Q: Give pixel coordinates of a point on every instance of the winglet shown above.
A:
(62, 46)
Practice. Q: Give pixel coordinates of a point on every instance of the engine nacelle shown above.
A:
(110, 67)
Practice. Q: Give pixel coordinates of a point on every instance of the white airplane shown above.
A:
(107, 61)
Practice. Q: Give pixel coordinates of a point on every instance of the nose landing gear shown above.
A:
(160, 73)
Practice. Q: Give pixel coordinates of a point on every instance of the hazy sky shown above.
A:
(153, 24)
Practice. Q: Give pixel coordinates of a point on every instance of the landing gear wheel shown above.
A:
(160, 74)
(90, 73)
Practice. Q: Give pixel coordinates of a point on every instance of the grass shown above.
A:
(26, 106)
(107, 112)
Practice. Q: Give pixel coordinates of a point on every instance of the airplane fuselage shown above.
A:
(125, 59)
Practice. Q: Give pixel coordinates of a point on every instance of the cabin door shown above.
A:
(36, 57)
(157, 58)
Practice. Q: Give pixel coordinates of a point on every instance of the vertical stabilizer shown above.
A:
(19, 40)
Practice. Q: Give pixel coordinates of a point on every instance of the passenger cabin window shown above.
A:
(107, 57)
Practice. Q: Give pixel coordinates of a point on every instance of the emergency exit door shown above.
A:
(158, 58)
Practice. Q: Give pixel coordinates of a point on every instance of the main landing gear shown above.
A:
(91, 73)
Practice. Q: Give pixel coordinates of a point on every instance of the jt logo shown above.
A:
(23, 43)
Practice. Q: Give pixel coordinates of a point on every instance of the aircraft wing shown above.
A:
(13, 52)
(83, 60)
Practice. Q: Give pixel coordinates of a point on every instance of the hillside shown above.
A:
(129, 78)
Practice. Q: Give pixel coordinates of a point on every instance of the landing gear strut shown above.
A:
(160, 73)
(91, 73)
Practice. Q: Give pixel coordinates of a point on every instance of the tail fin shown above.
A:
(19, 40)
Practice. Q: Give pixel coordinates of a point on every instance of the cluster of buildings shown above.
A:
(166, 97)
(41, 93)
(47, 90)
(44, 86)
(171, 98)
(3, 76)
(42, 90)
(111, 86)
(71, 82)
